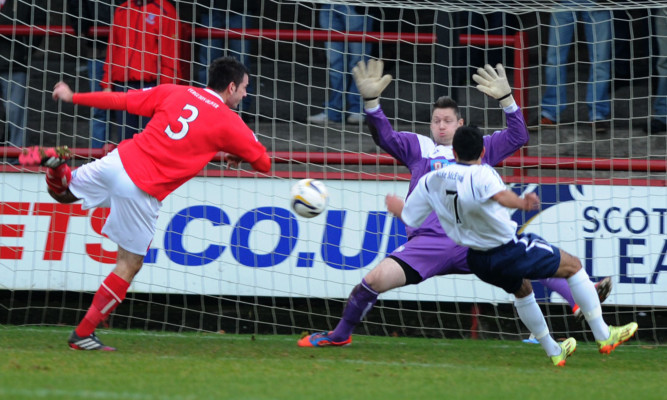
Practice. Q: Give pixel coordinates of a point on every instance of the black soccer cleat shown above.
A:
(87, 343)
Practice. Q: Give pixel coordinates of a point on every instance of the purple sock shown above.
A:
(361, 300)
(560, 286)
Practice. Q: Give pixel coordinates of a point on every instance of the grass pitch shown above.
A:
(36, 363)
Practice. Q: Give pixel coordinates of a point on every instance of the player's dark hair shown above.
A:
(468, 143)
(225, 70)
(447, 102)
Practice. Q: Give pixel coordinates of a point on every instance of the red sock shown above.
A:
(110, 294)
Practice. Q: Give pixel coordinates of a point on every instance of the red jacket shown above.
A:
(143, 43)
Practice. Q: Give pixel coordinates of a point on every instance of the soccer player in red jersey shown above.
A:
(188, 127)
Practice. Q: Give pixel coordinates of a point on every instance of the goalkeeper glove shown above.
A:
(494, 84)
(370, 81)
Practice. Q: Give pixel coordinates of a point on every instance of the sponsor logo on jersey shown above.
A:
(438, 163)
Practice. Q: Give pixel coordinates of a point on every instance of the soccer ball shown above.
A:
(309, 198)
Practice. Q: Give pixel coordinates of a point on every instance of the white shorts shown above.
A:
(133, 217)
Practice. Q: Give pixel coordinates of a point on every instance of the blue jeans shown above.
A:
(211, 49)
(660, 103)
(598, 36)
(14, 101)
(98, 123)
(342, 57)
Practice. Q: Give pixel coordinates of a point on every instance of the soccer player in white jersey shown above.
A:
(471, 201)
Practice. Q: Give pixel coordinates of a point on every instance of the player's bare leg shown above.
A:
(110, 294)
(387, 275)
(128, 264)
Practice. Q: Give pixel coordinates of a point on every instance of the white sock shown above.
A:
(584, 294)
(532, 317)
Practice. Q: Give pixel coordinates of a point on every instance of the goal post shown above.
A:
(230, 255)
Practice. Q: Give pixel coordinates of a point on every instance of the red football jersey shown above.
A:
(188, 127)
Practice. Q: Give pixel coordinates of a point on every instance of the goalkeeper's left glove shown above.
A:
(494, 84)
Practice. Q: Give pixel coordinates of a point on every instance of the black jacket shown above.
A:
(236, 6)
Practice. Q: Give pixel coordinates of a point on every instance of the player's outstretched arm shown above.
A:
(104, 100)
(508, 198)
(370, 81)
(493, 82)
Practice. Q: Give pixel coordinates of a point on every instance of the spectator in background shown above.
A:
(562, 27)
(231, 14)
(142, 53)
(86, 14)
(342, 57)
(658, 122)
(14, 65)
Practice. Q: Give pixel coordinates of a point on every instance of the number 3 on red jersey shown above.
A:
(194, 113)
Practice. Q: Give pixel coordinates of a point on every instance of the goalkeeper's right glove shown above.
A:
(370, 81)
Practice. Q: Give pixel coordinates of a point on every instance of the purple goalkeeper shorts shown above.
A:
(431, 256)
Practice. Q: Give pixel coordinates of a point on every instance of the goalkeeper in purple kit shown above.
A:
(429, 251)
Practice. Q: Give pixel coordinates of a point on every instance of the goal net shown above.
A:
(230, 254)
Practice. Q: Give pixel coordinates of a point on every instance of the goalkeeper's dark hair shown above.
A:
(225, 70)
(468, 143)
(447, 102)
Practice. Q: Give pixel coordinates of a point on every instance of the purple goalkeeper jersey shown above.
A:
(421, 154)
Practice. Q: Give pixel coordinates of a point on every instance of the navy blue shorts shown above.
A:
(506, 266)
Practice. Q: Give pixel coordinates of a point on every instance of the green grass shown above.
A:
(36, 363)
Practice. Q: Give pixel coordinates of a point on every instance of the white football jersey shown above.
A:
(460, 194)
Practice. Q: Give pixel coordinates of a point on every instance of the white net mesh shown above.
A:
(227, 254)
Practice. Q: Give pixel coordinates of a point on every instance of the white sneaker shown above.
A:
(356, 118)
(320, 118)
